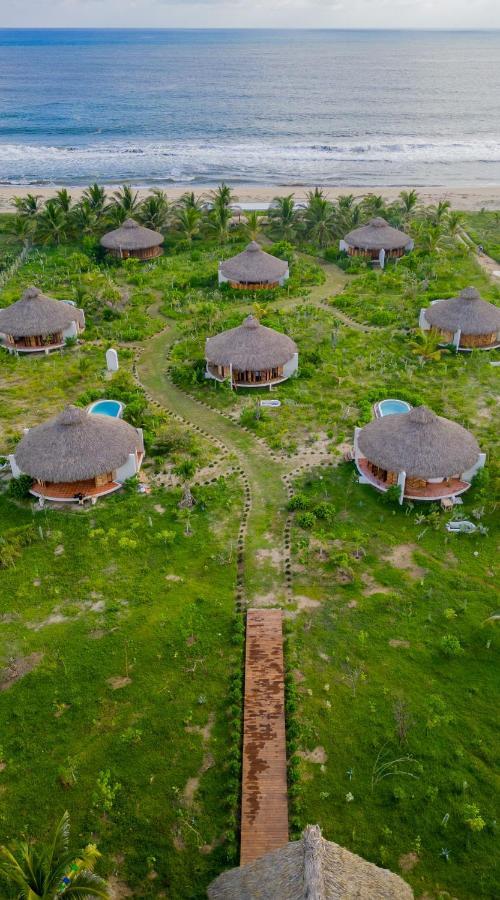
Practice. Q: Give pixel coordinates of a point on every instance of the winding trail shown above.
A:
(264, 563)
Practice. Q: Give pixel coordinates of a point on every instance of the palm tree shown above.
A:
(52, 223)
(29, 206)
(318, 218)
(428, 236)
(63, 200)
(373, 205)
(283, 217)
(252, 225)
(51, 871)
(95, 196)
(453, 222)
(154, 210)
(347, 214)
(83, 218)
(188, 222)
(126, 201)
(409, 201)
(222, 197)
(426, 346)
(219, 221)
(437, 212)
(189, 200)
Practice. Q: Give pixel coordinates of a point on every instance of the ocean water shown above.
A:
(268, 107)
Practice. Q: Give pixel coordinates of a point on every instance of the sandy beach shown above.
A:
(463, 198)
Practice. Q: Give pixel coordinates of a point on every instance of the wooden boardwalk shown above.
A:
(264, 812)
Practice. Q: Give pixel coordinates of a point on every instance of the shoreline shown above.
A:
(467, 198)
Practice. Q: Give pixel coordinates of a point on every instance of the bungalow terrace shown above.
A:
(426, 456)
(78, 455)
(251, 355)
(376, 241)
(133, 240)
(253, 269)
(467, 321)
(309, 869)
(39, 324)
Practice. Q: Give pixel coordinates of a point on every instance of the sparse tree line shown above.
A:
(318, 220)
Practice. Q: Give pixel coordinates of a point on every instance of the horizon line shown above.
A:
(236, 28)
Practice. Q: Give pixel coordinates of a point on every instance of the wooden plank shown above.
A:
(264, 813)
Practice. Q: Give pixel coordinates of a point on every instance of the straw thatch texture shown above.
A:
(309, 869)
(76, 445)
(254, 266)
(419, 443)
(467, 311)
(251, 347)
(131, 236)
(35, 314)
(377, 234)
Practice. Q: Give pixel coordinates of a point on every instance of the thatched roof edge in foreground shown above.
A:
(309, 869)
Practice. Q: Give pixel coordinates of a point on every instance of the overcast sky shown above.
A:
(252, 13)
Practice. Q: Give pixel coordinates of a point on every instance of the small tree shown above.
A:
(49, 871)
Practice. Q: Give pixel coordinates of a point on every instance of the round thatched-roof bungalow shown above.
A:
(253, 269)
(466, 321)
(78, 454)
(427, 456)
(251, 355)
(377, 241)
(309, 869)
(39, 324)
(133, 239)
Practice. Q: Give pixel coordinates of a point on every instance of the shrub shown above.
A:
(305, 519)
(325, 511)
(450, 645)
(19, 488)
(298, 501)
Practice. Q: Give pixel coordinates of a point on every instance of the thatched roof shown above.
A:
(419, 443)
(36, 314)
(467, 311)
(309, 869)
(250, 347)
(238, 220)
(131, 236)
(377, 234)
(254, 266)
(76, 445)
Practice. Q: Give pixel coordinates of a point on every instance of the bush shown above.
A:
(305, 519)
(450, 645)
(19, 488)
(298, 501)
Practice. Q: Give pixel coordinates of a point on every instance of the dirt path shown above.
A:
(489, 265)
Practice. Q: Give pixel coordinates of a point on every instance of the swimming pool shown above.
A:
(391, 407)
(107, 408)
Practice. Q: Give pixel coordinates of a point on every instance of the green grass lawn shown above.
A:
(132, 624)
(130, 716)
(484, 228)
(389, 585)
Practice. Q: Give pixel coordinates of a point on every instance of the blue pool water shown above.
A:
(107, 408)
(393, 407)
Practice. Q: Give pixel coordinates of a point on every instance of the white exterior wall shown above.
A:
(423, 324)
(70, 331)
(291, 366)
(14, 468)
(342, 245)
(286, 276)
(356, 446)
(128, 469)
(222, 278)
(401, 485)
(456, 337)
(469, 475)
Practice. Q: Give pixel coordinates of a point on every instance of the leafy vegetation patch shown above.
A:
(397, 682)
